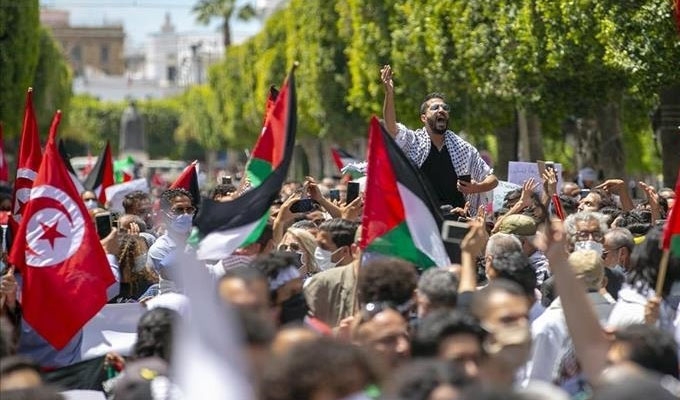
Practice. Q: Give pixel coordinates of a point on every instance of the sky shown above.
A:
(142, 17)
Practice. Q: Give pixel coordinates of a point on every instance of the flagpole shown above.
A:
(663, 268)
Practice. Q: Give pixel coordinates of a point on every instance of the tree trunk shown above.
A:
(226, 31)
(523, 147)
(311, 148)
(612, 160)
(666, 126)
(587, 149)
(506, 137)
(535, 137)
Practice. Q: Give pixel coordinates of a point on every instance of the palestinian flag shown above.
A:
(342, 158)
(267, 152)
(69, 167)
(224, 227)
(400, 216)
(188, 180)
(124, 170)
(671, 231)
(101, 175)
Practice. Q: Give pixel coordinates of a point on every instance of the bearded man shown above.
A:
(454, 168)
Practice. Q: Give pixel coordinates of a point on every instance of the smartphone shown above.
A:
(454, 231)
(352, 191)
(334, 195)
(302, 206)
(465, 178)
(103, 223)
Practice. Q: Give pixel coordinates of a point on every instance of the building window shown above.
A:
(75, 53)
(172, 73)
(104, 54)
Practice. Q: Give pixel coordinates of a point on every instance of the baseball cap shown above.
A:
(587, 265)
(518, 224)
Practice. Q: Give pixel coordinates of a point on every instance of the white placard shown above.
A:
(520, 171)
(114, 328)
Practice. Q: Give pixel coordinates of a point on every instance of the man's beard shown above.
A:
(438, 124)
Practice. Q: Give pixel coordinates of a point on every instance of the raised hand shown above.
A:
(386, 77)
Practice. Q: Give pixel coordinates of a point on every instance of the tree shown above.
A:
(206, 10)
(19, 47)
(52, 81)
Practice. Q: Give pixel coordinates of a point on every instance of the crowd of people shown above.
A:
(537, 308)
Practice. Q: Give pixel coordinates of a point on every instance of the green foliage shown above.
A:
(52, 81)
(92, 122)
(19, 47)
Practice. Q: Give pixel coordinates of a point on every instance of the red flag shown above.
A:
(271, 100)
(4, 168)
(101, 175)
(188, 180)
(342, 158)
(30, 156)
(671, 231)
(64, 267)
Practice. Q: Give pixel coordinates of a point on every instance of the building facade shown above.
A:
(96, 47)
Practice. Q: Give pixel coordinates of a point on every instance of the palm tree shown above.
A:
(206, 10)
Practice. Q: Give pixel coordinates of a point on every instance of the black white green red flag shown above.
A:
(400, 217)
(224, 227)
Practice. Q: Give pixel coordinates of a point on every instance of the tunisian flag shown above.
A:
(64, 268)
(30, 156)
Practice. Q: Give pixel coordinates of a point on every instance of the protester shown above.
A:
(441, 155)
(437, 290)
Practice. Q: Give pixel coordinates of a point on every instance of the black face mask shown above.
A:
(293, 309)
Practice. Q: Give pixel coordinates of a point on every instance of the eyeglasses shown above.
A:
(585, 235)
(289, 247)
(443, 106)
(183, 210)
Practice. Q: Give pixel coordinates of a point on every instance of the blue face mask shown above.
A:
(181, 223)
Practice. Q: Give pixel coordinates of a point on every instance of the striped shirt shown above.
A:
(464, 157)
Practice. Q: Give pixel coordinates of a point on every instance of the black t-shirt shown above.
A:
(439, 171)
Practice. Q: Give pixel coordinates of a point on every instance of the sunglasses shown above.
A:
(289, 247)
(443, 106)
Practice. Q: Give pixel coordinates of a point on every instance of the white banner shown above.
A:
(500, 191)
(116, 193)
(114, 328)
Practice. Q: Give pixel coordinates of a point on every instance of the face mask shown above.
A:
(323, 258)
(589, 245)
(181, 223)
(140, 262)
(91, 204)
(293, 309)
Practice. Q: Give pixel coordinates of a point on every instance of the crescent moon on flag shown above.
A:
(55, 230)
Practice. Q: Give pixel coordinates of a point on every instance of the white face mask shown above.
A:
(91, 204)
(589, 245)
(181, 223)
(323, 258)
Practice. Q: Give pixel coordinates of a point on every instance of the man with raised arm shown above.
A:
(441, 155)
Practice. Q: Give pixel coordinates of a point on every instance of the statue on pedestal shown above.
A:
(132, 136)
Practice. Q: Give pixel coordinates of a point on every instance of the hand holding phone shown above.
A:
(352, 192)
(334, 195)
(103, 223)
